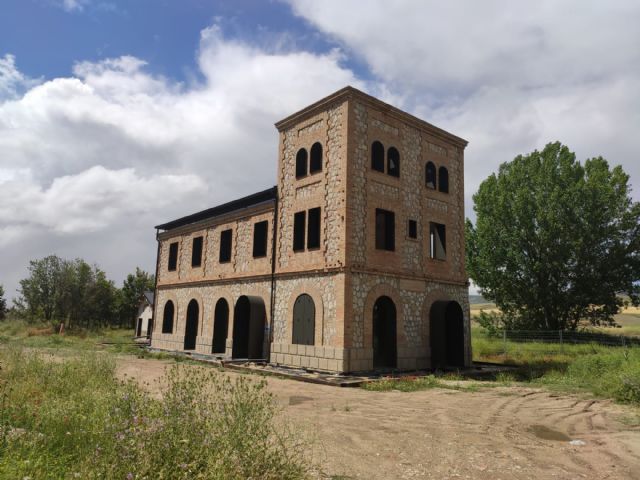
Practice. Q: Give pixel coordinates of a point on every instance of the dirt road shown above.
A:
(494, 433)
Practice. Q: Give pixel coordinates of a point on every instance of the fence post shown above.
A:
(624, 340)
(504, 342)
(561, 343)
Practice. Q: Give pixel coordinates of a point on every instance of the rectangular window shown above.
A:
(299, 220)
(385, 230)
(225, 245)
(413, 229)
(260, 239)
(173, 257)
(437, 241)
(196, 252)
(313, 229)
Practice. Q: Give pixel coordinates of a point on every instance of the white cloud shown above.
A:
(115, 150)
(507, 76)
(73, 5)
(12, 82)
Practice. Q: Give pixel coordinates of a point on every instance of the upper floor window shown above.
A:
(443, 180)
(385, 230)
(299, 220)
(377, 156)
(315, 164)
(260, 230)
(313, 228)
(301, 163)
(393, 162)
(196, 252)
(437, 241)
(430, 175)
(306, 226)
(413, 229)
(225, 245)
(173, 257)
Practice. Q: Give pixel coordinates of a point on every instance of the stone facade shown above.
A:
(346, 275)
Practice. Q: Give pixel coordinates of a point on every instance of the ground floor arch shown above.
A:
(384, 333)
(191, 325)
(220, 326)
(249, 320)
(446, 334)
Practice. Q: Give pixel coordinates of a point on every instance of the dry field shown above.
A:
(493, 433)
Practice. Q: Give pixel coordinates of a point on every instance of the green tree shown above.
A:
(555, 242)
(42, 292)
(3, 304)
(132, 290)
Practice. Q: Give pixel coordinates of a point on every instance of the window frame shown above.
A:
(437, 230)
(314, 228)
(443, 179)
(412, 229)
(197, 257)
(385, 230)
(264, 239)
(299, 231)
(226, 246)
(315, 158)
(302, 163)
(396, 171)
(435, 175)
(172, 260)
(377, 156)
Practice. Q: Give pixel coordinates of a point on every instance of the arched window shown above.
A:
(304, 320)
(443, 180)
(393, 162)
(191, 325)
(167, 317)
(220, 326)
(377, 156)
(430, 175)
(315, 164)
(301, 163)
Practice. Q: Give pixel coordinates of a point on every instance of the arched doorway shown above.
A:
(446, 333)
(304, 321)
(220, 326)
(191, 325)
(249, 317)
(384, 333)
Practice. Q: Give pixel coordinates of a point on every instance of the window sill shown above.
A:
(309, 180)
(384, 178)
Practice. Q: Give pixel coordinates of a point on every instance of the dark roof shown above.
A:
(248, 201)
(149, 296)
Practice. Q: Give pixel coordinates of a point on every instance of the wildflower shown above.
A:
(129, 476)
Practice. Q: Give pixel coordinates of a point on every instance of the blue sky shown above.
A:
(165, 33)
(116, 116)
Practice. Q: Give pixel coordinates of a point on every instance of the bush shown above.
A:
(74, 419)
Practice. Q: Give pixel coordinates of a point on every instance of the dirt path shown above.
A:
(495, 433)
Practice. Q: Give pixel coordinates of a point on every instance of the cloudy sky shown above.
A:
(116, 116)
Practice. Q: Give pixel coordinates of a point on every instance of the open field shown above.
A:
(446, 429)
(502, 432)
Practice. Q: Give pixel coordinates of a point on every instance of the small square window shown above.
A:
(413, 229)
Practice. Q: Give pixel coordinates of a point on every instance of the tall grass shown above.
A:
(605, 371)
(75, 419)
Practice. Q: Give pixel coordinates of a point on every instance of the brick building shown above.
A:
(353, 262)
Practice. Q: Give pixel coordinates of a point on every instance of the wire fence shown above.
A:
(548, 341)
